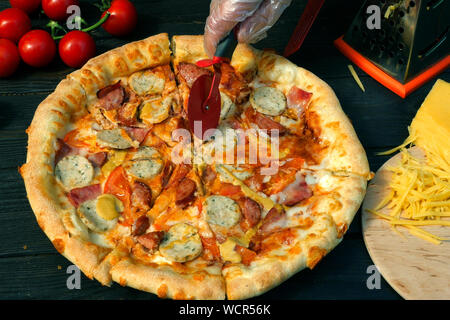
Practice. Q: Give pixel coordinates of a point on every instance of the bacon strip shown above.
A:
(268, 124)
(79, 195)
(111, 97)
(272, 221)
(296, 191)
(298, 100)
(98, 158)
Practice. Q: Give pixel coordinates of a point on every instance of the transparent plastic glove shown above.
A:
(255, 18)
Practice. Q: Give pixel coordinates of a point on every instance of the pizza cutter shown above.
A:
(204, 102)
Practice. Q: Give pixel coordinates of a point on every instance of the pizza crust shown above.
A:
(345, 160)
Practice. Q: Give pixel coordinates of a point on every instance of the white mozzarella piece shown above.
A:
(74, 171)
(222, 211)
(181, 243)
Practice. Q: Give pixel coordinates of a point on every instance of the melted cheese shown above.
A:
(420, 189)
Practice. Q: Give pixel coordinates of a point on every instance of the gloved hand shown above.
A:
(255, 18)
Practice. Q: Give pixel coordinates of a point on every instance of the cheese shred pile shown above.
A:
(420, 188)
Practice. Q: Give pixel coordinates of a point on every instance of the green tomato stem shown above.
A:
(94, 26)
(98, 24)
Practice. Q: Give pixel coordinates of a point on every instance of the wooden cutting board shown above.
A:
(415, 268)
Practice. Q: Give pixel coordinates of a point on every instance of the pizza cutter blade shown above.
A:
(204, 102)
(204, 105)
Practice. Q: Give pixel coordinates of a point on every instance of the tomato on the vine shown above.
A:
(123, 18)
(14, 23)
(9, 58)
(76, 47)
(57, 9)
(37, 48)
(28, 6)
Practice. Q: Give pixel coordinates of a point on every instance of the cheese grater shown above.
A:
(410, 46)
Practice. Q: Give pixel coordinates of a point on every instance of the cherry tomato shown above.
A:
(28, 6)
(9, 58)
(57, 9)
(123, 18)
(14, 23)
(76, 47)
(37, 48)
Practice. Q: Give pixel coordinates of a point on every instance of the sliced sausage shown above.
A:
(151, 240)
(222, 211)
(114, 138)
(141, 196)
(167, 173)
(185, 192)
(268, 100)
(190, 72)
(140, 225)
(182, 243)
(251, 212)
(145, 168)
(74, 171)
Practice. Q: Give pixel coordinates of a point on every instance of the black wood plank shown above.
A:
(340, 275)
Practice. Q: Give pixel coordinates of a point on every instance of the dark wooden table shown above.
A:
(30, 267)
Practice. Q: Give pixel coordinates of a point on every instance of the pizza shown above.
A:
(124, 190)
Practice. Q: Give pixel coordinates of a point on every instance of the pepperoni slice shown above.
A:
(79, 195)
(140, 225)
(185, 192)
(151, 240)
(268, 124)
(190, 72)
(251, 211)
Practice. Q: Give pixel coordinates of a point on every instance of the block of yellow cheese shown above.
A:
(431, 125)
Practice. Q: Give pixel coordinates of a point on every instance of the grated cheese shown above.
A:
(355, 76)
(420, 188)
